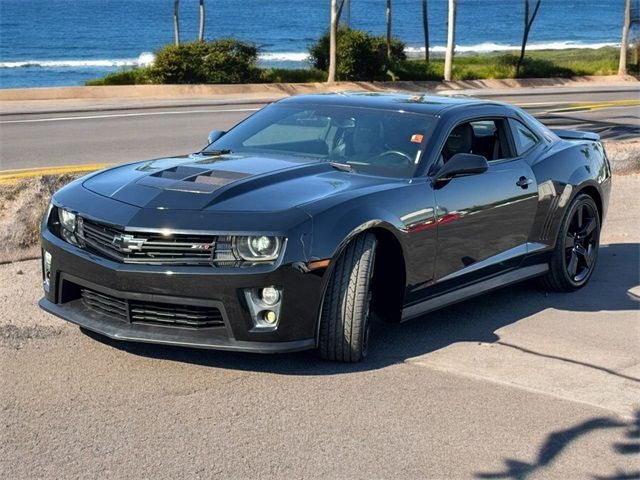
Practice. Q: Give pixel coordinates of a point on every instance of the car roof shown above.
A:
(419, 103)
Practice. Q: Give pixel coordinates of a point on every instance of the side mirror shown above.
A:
(214, 135)
(462, 164)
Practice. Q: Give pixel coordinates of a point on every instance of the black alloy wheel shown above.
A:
(581, 242)
(574, 258)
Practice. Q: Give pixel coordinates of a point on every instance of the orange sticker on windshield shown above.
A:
(417, 138)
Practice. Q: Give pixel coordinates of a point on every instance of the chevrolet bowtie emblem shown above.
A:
(128, 243)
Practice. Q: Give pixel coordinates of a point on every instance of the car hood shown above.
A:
(226, 183)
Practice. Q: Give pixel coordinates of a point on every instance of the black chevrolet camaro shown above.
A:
(289, 231)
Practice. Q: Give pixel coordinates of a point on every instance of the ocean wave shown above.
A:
(147, 58)
(284, 56)
(488, 47)
(144, 59)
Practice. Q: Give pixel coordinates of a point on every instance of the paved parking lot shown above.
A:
(516, 384)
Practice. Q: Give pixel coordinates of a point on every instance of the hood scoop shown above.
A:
(185, 178)
(238, 184)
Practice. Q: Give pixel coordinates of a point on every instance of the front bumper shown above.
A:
(73, 269)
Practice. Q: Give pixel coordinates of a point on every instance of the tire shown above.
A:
(574, 258)
(344, 319)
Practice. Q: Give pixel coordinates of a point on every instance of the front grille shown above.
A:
(153, 313)
(154, 248)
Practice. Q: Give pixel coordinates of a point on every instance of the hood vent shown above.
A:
(191, 179)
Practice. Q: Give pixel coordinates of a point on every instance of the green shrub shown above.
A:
(134, 76)
(360, 56)
(220, 61)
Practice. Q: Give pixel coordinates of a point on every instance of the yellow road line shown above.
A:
(10, 176)
(577, 106)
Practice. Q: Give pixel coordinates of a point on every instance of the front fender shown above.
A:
(334, 229)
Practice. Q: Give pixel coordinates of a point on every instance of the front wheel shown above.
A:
(576, 252)
(346, 308)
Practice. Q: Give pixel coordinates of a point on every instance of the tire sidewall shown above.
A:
(579, 201)
(346, 304)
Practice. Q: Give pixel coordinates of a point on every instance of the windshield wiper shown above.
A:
(345, 167)
(215, 153)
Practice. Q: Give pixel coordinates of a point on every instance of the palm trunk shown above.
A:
(347, 18)
(333, 34)
(202, 19)
(425, 26)
(389, 30)
(451, 41)
(176, 21)
(527, 27)
(344, 5)
(624, 44)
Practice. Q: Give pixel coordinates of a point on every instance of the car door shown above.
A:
(484, 220)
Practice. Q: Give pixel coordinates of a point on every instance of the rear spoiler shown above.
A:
(576, 135)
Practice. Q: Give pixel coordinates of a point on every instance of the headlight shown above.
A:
(68, 224)
(67, 219)
(259, 248)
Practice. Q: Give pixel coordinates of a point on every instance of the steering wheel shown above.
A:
(402, 159)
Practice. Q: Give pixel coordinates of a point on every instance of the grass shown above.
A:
(537, 64)
(288, 75)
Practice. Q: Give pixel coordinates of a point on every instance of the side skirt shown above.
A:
(469, 291)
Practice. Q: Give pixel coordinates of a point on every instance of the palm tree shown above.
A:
(425, 26)
(389, 30)
(176, 21)
(528, 21)
(202, 17)
(333, 33)
(622, 68)
(451, 41)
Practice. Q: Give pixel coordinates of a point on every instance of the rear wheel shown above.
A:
(576, 252)
(346, 308)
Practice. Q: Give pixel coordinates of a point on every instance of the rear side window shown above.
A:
(524, 138)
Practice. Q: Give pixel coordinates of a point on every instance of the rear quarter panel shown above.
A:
(563, 171)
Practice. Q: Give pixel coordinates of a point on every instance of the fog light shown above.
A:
(270, 317)
(270, 295)
(46, 268)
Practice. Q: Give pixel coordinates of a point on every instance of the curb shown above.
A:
(158, 92)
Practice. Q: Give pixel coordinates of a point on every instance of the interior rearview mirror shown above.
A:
(215, 135)
(462, 164)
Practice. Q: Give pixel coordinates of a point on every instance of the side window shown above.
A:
(523, 138)
(486, 137)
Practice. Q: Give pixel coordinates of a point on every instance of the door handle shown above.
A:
(524, 182)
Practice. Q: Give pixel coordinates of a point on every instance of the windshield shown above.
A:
(374, 141)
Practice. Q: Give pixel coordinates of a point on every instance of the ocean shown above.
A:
(66, 42)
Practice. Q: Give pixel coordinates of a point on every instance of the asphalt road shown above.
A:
(115, 133)
(517, 384)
